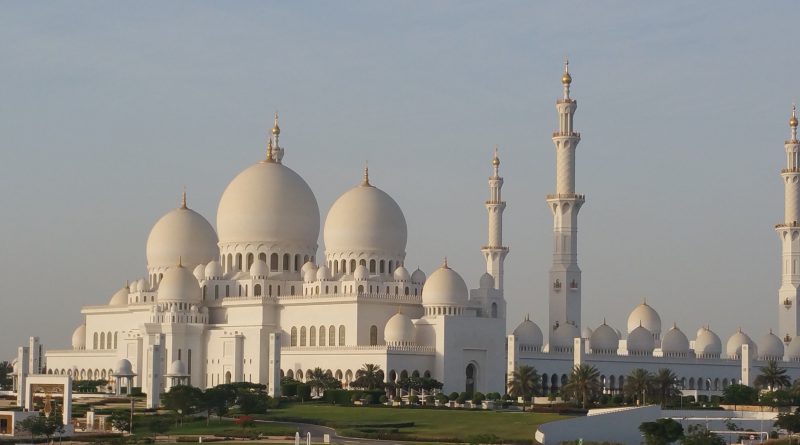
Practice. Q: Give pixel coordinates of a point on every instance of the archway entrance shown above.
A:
(471, 377)
(228, 377)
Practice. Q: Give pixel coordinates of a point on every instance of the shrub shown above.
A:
(303, 392)
(462, 398)
(414, 400)
(355, 397)
(383, 398)
(289, 389)
(369, 399)
(478, 397)
(453, 396)
(441, 398)
(337, 396)
(429, 400)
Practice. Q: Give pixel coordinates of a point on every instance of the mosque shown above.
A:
(251, 301)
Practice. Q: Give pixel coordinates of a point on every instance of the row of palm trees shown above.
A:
(584, 385)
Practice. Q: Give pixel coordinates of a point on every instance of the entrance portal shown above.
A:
(471, 376)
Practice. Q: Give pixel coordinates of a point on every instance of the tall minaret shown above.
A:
(565, 275)
(494, 251)
(789, 233)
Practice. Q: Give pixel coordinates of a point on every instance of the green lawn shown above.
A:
(223, 427)
(428, 424)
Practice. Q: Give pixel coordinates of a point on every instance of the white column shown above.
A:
(747, 363)
(274, 387)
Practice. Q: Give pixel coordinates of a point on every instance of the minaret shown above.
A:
(789, 233)
(565, 275)
(494, 251)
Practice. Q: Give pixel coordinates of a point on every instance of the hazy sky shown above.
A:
(108, 109)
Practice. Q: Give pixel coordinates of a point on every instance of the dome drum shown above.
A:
(529, 336)
(237, 258)
(345, 263)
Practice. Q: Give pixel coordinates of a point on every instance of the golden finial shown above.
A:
(793, 119)
(365, 182)
(496, 159)
(276, 130)
(183, 198)
(270, 155)
(445, 266)
(566, 79)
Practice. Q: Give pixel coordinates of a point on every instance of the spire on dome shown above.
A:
(365, 181)
(270, 153)
(566, 78)
(496, 162)
(180, 261)
(183, 198)
(276, 130)
(445, 266)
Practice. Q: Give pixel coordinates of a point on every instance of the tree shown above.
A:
(583, 383)
(41, 425)
(369, 376)
(524, 382)
(5, 374)
(661, 432)
(322, 380)
(789, 421)
(772, 377)
(218, 399)
(183, 399)
(665, 383)
(736, 394)
(121, 421)
(638, 385)
(699, 435)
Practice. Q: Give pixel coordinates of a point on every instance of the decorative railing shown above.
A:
(566, 196)
(388, 348)
(558, 134)
(791, 170)
(789, 224)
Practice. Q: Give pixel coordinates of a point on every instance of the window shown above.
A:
(216, 291)
(312, 336)
(94, 342)
(303, 336)
(286, 261)
(341, 335)
(273, 262)
(257, 290)
(102, 340)
(249, 261)
(371, 266)
(383, 266)
(494, 310)
(332, 336)
(373, 335)
(115, 340)
(352, 266)
(293, 337)
(322, 335)
(239, 261)
(296, 263)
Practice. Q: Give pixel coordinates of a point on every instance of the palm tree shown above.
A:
(638, 384)
(525, 383)
(369, 376)
(583, 383)
(773, 377)
(666, 384)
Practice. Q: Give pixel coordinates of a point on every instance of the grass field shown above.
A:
(428, 424)
(225, 427)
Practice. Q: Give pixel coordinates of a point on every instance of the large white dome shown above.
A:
(79, 337)
(268, 202)
(529, 334)
(734, 346)
(645, 316)
(707, 344)
(120, 297)
(604, 340)
(640, 341)
(366, 219)
(562, 338)
(399, 330)
(675, 343)
(179, 286)
(445, 287)
(770, 347)
(181, 235)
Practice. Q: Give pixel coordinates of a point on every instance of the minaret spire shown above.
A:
(183, 198)
(276, 132)
(789, 233)
(565, 203)
(494, 252)
(365, 181)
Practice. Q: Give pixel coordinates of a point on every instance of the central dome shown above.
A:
(366, 220)
(268, 202)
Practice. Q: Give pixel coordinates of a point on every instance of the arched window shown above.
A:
(322, 335)
(390, 268)
(494, 310)
(303, 336)
(228, 378)
(362, 263)
(383, 266)
(239, 261)
(229, 263)
(227, 290)
(341, 335)
(335, 289)
(115, 340)
(360, 288)
(332, 336)
(216, 291)
(371, 266)
(406, 290)
(249, 260)
(94, 342)
(293, 337)
(257, 290)
(344, 266)
(245, 289)
(292, 290)
(279, 290)
(273, 262)
(262, 257)
(297, 262)
(102, 340)
(373, 335)
(312, 336)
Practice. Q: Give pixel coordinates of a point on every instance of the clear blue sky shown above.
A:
(107, 109)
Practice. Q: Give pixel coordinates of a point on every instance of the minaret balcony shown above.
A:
(557, 134)
(565, 101)
(791, 170)
(566, 196)
(789, 224)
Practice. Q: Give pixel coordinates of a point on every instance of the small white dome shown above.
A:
(270, 203)
(79, 337)
(586, 333)
(181, 235)
(675, 343)
(399, 330)
(486, 281)
(734, 346)
(179, 286)
(793, 350)
(641, 341)
(366, 219)
(563, 337)
(418, 276)
(120, 297)
(134, 286)
(123, 368)
(445, 287)
(401, 274)
(214, 271)
(604, 340)
(259, 270)
(529, 334)
(177, 369)
(707, 344)
(323, 273)
(361, 273)
(308, 267)
(142, 285)
(199, 272)
(645, 316)
(770, 347)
